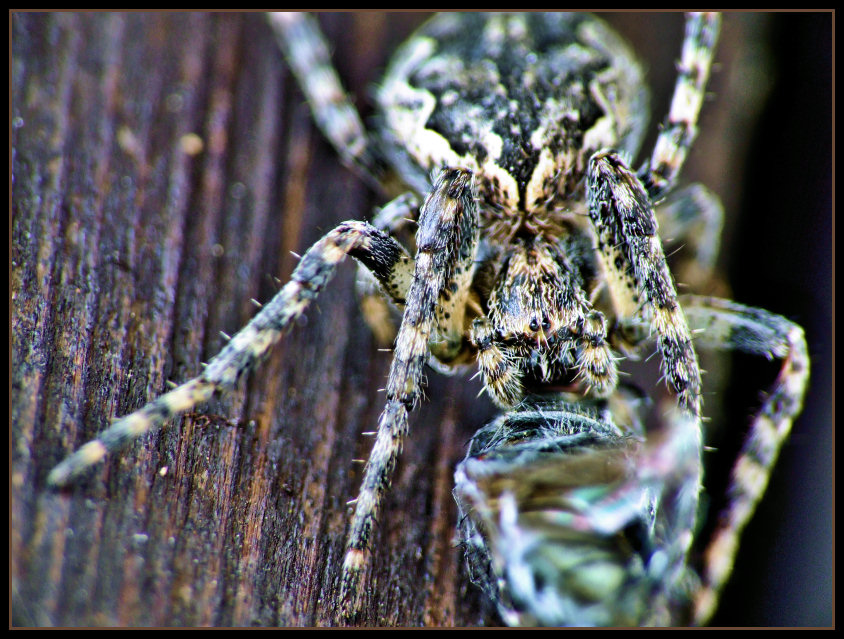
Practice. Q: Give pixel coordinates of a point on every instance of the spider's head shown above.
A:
(532, 307)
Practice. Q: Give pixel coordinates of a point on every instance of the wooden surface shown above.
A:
(133, 245)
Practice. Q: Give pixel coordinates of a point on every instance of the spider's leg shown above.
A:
(397, 213)
(383, 255)
(306, 52)
(638, 278)
(694, 217)
(721, 324)
(377, 312)
(639, 281)
(446, 243)
(680, 127)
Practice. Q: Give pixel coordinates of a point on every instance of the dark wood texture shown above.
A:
(132, 247)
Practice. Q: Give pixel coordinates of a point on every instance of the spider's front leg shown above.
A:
(381, 254)
(621, 209)
(640, 283)
(446, 242)
(631, 254)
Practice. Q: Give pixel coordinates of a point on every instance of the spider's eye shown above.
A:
(534, 324)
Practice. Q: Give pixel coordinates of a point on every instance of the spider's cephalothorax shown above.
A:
(537, 255)
(521, 101)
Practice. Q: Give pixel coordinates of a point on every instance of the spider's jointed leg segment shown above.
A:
(381, 254)
(721, 324)
(446, 243)
(307, 53)
(380, 317)
(630, 251)
(680, 127)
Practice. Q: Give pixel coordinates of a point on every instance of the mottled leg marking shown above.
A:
(632, 257)
(379, 316)
(382, 255)
(448, 228)
(680, 127)
(727, 325)
(124, 430)
(307, 54)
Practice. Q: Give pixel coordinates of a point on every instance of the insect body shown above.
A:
(536, 255)
(548, 536)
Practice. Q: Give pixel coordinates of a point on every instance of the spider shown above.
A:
(536, 255)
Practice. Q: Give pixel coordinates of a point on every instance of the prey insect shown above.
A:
(536, 255)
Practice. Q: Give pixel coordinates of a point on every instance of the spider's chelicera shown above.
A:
(537, 256)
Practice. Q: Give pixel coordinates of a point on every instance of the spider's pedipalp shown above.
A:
(496, 365)
(595, 360)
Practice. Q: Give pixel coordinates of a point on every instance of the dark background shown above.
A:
(785, 263)
(130, 253)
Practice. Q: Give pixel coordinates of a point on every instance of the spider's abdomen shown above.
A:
(522, 100)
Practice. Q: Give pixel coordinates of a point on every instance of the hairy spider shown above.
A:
(536, 255)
